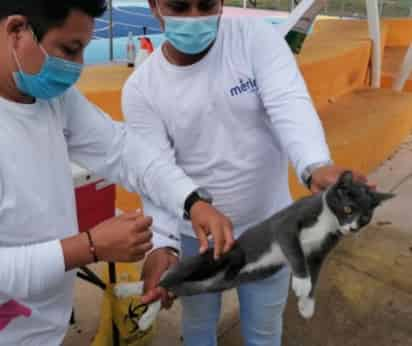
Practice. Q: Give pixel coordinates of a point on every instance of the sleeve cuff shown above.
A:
(182, 190)
(48, 262)
(165, 226)
(161, 241)
(52, 252)
(315, 164)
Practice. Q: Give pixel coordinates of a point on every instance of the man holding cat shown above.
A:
(224, 100)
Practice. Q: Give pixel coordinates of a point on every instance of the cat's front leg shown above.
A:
(301, 286)
(292, 250)
(307, 304)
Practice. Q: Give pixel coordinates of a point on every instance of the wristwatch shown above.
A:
(307, 173)
(197, 195)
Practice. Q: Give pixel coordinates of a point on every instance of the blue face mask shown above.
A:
(191, 35)
(55, 77)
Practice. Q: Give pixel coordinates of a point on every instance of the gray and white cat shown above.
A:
(300, 236)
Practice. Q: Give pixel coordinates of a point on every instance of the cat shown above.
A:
(300, 236)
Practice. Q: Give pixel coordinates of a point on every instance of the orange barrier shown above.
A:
(335, 63)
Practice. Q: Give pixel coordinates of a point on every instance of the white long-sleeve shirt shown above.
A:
(231, 121)
(37, 205)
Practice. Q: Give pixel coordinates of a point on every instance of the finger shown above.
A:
(165, 298)
(228, 235)
(171, 296)
(361, 178)
(372, 186)
(144, 237)
(152, 295)
(150, 281)
(314, 189)
(142, 249)
(201, 236)
(136, 257)
(132, 215)
(143, 223)
(168, 303)
(219, 241)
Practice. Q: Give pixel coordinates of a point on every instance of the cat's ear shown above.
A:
(345, 179)
(380, 197)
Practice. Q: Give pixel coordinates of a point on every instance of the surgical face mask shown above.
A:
(191, 35)
(55, 77)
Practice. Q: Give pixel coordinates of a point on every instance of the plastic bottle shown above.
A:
(146, 48)
(131, 50)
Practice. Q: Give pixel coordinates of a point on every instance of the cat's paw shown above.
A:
(150, 315)
(301, 286)
(306, 307)
(128, 289)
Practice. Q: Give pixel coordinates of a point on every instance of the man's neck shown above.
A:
(9, 91)
(180, 59)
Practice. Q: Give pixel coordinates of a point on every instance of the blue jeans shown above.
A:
(261, 309)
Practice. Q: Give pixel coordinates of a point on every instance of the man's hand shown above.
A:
(125, 238)
(206, 220)
(156, 264)
(325, 176)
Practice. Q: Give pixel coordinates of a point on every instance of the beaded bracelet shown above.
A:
(92, 248)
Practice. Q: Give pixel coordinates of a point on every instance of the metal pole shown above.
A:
(375, 35)
(405, 71)
(381, 6)
(111, 55)
(113, 280)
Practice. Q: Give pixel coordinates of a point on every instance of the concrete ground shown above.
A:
(365, 290)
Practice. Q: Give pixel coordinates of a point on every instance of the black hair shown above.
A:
(43, 15)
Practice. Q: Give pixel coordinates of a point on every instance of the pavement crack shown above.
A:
(400, 183)
(373, 277)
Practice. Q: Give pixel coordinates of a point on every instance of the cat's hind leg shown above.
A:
(301, 286)
(306, 306)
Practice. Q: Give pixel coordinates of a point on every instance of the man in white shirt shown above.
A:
(225, 101)
(45, 123)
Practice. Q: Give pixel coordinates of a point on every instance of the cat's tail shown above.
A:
(184, 270)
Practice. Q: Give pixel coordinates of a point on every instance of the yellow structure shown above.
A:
(120, 310)
(335, 64)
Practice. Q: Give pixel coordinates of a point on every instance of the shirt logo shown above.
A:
(11, 310)
(248, 86)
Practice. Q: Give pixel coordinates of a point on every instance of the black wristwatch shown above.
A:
(195, 196)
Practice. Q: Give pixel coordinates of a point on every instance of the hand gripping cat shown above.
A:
(300, 236)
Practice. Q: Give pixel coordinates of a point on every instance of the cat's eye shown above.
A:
(347, 209)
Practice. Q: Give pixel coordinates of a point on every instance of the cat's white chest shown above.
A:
(312, 237)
